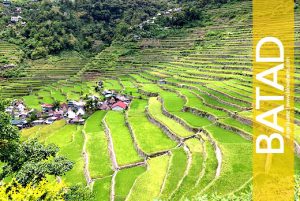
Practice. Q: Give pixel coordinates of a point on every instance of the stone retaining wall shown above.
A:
(165, 129)
(183, 123)
(137, 148)
(111, 149)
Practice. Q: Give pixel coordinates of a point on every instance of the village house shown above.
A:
(15, 19)
(104, 106)
(59, 114)
(21, 107)
(71, 114)
(38, 122)
(47, 108)
(136, 37)
(9, 109)
(93, 98)
(114, 101)
(7, 66)
(76, 105)
(80, 112)
(162, 81)
(20, 123)
(108, 93)
(18, 10)
(6, 3)
(64, 107)
(77, 120)
(17, 110)
(119, 106)
(51, 120)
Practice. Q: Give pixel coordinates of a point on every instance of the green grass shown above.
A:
(211, 165)
(70, 141)
(129, 87)
(215, 102)
(125, 180)
(174, 104)
(223, 97)
(48, 130)
(73, 96)
(237, 160)
(123, 144)
(30, 132)
(32, 102)
(45, 96)
(58, 96)
(93, 123)
(150, 138)
(195, 169)
(101, 189)
(112, 85)
(235, 123)
(97, 147)
(195, 102)
(175, 127)
(61, 136)
(147, 186)
(178, 165)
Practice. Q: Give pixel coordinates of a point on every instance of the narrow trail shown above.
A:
(166, 176)
(113, 185)
(186, 172)
(136, 146)
(87, 174)
(163, 127)
(111, 149)
(204, 161)
(219, 158)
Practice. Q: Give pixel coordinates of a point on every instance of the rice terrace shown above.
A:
(161, 112)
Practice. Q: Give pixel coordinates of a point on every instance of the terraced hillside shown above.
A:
(188, 130)
(9, 53)
(43, 72)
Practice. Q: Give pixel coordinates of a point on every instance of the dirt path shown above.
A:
(113, 185)
(111, 149)
(187, 170)
(87, 174)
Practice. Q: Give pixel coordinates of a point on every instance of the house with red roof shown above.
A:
(119, 106)
(47, 107)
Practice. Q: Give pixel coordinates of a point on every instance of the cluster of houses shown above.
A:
(73, 112)
(114, 101)
(163, 13)
(15, 13)
(7, 66)
(19, 114)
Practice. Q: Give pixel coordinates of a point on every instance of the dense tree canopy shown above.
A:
(54, 26)
(29, 161)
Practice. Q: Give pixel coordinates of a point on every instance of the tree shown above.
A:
(78, 193)
(29, 161)
(56, 105)
(43, 191)
(33, 116)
